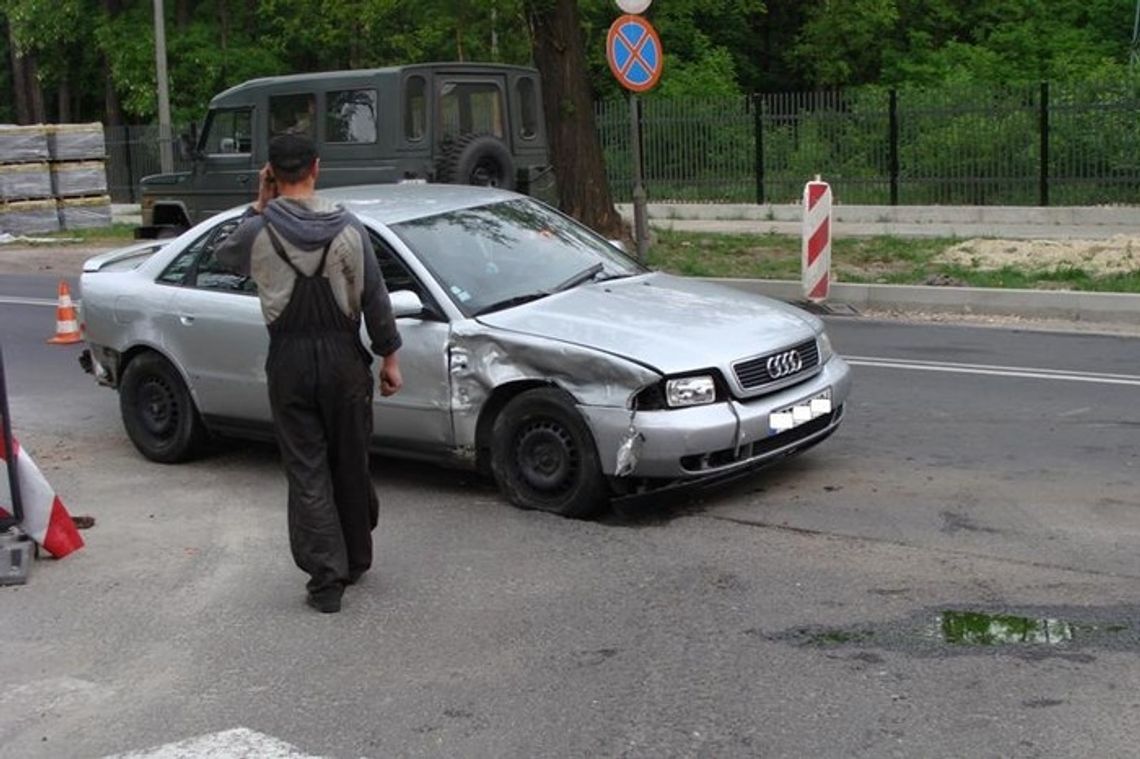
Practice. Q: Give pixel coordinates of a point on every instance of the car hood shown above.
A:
(669, 323)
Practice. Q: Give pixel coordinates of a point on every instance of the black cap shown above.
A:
(292, 152)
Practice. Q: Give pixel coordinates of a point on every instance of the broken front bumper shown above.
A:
(698, 442)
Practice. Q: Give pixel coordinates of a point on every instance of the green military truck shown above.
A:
(463, 123)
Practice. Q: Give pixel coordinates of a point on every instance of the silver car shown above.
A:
(534, 350)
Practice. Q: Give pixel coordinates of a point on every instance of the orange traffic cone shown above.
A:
(66, 320)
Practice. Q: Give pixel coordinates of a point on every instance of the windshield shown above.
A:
(508, 253)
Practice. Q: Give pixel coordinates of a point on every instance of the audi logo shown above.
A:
(784, 364)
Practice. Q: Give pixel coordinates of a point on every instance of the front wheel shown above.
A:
(158, 412)
(543, 456)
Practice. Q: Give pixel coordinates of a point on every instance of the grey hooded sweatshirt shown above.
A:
(305, 226)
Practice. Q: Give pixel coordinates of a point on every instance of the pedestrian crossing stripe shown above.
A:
(238, 742)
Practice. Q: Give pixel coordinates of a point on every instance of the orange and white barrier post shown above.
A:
(45, 520)
(816, 259)
(66, 318)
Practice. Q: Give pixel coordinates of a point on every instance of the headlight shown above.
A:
(825, 349)
(690, 391)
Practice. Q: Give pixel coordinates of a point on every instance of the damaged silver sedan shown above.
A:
(533, 350)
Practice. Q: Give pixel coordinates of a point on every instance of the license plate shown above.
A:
(799, 412)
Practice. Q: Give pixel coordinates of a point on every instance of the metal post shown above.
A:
(9, 454)
(165, 139)
(1043, 189)
(758, 132)
(640, 222)
(893, 149)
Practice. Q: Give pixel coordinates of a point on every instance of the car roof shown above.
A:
(394, 203)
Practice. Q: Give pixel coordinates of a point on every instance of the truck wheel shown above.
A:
(543, 456)
(478, 159)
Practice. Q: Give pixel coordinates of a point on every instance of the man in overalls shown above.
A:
(316, 276)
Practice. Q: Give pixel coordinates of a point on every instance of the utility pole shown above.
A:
(165, 139)
(1134, 59)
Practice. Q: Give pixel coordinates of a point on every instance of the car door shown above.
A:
(417, 418)
(216, 332)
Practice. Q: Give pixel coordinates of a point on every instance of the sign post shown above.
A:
(636, 59)
(816, 258)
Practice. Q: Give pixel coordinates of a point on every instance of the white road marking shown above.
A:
(238, 742)
(996, 371)
(13, 301)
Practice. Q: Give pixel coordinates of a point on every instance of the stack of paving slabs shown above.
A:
(79, 175)
(26, 201)
(53, 177)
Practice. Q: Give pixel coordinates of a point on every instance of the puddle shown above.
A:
(1049, 631)
(972, 628)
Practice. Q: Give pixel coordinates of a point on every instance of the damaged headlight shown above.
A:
(690, 391)
(825, 349)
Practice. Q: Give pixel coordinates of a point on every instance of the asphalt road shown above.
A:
(805, 611)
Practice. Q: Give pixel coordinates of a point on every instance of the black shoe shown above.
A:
(327, 602)
(355, 575)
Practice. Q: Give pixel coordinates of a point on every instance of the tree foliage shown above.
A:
(712, 46)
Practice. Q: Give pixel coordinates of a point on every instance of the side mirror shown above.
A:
(618, 244)
(406, 303)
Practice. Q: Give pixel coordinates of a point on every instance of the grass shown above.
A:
(872, 260)
(116, 233)
(867, 260)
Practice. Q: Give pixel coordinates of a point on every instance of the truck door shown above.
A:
(225, 176)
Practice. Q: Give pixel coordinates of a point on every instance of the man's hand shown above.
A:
(390, 378)
(266, 188)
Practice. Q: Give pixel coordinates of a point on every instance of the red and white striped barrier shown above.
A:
(46, 521)
(816, 259)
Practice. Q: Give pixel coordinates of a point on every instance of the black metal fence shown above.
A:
(1045, 144)
(133, 153)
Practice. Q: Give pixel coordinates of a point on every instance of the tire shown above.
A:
(543, 456)
(158, 412)
(478, 159)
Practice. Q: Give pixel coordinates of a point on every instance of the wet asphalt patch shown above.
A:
(1070, 632)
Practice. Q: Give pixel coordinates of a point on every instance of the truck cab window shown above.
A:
(228, 132)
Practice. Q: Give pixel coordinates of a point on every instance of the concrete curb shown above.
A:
(962, 222)
(1098, 308)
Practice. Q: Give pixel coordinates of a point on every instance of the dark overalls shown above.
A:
(320, 391)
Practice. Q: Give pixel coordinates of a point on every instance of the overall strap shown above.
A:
(280, 249)
(321, 266)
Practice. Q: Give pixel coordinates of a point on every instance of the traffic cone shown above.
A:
(66, 320)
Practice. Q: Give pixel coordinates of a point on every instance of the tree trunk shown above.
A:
(19, 84)
(575, 150)
(35, 90)
(63, 99)
(113, 110)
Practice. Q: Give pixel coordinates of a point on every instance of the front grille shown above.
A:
(759, 448)
(753, 373)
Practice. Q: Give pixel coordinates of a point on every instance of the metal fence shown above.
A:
(133, 153)
(1044, 144)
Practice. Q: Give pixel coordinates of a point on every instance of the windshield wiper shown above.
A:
(582, 276)
(514, 300)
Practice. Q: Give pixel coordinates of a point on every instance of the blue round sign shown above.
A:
(634, 52)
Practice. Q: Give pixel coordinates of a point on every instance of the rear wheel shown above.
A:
(158, 412)
(543, 456)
